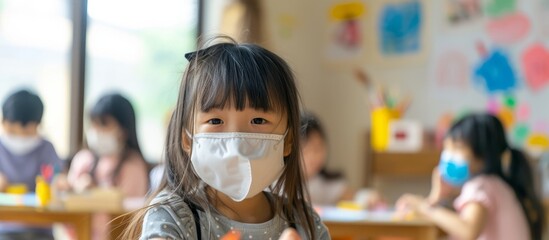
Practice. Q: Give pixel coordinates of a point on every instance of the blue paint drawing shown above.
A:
(400, 28)
(496, 73)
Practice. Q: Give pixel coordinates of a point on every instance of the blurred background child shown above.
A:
(113, 158)
(497, 199)
(326, 187)
(23, 153)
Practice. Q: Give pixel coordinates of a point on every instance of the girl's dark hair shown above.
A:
(24, 107)
(244, 75)
(485, 135)
(311, 124)
(121, 110)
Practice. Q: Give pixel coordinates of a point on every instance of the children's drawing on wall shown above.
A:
(508, 29)
(463, 11)
(286, 25)
(450, 67)
(498, 8)
(495, 73)
(524, 129)
(345, 34)
(399, 27)
(451, 70)
(535, 64)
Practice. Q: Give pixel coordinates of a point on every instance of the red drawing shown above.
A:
(535, 62)
(452, 70)
(509, 29)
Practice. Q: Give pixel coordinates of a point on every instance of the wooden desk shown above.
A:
(81, 220)
(399, 164)
(417, 230)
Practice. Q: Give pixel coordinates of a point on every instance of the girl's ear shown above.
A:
(288, 145)
(186, 143)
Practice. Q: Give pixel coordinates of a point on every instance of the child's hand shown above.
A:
(370, 199)
(82, 183)
(410, 204)
(61, 183)
(440, 189)
(4, 183)
(290, 234)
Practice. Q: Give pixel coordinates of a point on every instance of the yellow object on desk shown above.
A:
(349, 205)
(43, 192)
(17, 189)
(381, 118)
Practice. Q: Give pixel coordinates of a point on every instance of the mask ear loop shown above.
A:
(191, 138)
(282, 139)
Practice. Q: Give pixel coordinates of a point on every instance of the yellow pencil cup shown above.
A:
(43, 192)
(380, 119)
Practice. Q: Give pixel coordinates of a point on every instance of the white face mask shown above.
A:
(102, 143)
(18, 145)
(240, 165)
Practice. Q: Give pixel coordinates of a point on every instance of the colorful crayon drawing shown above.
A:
(509, 29)
(462, 11)
(345, 35)
(535, 62)
(498, 8)
(400, 28)
(452, 70)
(495, 74)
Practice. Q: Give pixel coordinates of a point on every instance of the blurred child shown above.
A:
(233, 159)
(325, 187)
(23, 153)
(114, 158)
(497, 199)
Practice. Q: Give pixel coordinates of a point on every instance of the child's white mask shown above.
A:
(240, 165)
(19, 145)
(102, 143)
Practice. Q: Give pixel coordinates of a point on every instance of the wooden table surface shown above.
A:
(34, 215)
(417, 230)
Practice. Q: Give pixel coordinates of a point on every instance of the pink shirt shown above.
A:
(132, 181)
(506, 219)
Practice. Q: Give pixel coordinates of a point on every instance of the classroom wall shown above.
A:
(331, 93)
(297, 30)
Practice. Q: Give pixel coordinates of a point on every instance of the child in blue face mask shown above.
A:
(233, 157)
(23, 152)
(497, 198)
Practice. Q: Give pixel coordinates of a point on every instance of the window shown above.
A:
(133, 47)
(137, 48)
(35, 42)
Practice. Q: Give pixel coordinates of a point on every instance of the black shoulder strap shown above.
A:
(196, 218)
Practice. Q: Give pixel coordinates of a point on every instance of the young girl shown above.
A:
(325, 187)
(497, 199)
(232, 153)
(114, 157)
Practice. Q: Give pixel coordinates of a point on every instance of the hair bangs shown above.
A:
(234, 76)
(100, 113)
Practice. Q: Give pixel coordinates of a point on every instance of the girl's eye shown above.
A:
(259, 121)
(215, 121)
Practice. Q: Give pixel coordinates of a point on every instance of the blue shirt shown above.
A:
(24, 169)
